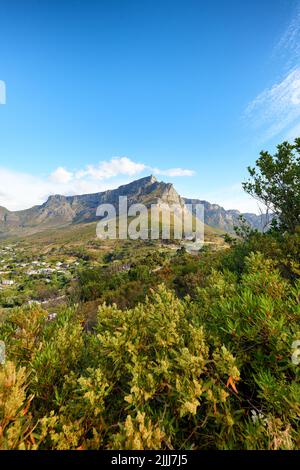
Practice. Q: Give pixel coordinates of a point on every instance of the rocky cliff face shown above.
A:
(64, 210)
(60, 211)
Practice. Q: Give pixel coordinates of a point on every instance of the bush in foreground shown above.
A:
(214, 372)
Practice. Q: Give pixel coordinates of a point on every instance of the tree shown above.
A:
(275, 181)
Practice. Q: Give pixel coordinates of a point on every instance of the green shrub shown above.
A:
(210, 372)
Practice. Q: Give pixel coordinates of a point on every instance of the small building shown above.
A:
(7, 282)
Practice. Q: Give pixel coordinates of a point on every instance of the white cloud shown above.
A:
(23, 190)
(276, 109)
(125, 166)
(289, 43)
(61, 175)
(17, 187)
(108, 169)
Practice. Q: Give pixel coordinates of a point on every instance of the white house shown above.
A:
(7, 282)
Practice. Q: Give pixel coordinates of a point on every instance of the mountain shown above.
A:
(217, 217)
(59, 211)
(62, 211)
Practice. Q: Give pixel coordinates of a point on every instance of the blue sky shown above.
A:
(101, 92)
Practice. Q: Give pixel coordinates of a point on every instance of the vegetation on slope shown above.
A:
(183, 353)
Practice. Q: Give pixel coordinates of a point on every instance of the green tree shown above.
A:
(275, 181)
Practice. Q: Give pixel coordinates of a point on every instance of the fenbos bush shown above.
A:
(259, 319)
(210, 372)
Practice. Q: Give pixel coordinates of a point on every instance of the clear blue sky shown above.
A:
(166, 84)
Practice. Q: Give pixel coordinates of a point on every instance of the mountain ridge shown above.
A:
(59, 210)
(218, 217)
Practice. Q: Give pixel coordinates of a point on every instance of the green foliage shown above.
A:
(282, 248)
(212, 372)
(140, 273)
(276, 183)
(258, 319)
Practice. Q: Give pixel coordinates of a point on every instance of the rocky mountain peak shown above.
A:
(61, 210)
